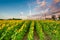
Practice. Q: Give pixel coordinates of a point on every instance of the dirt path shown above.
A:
(25, 36)
(36, 36)
(47, 37)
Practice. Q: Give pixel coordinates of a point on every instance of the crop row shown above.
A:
(16, 30)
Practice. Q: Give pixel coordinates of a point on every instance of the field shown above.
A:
(29, 30)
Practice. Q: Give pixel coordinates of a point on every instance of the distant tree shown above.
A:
(53, 17)
(13, 18)
(16, 19)
(1, 19)
(59, 17)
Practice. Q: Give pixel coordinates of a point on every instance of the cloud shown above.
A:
(43, 3)
(55, 6)
(30, 12)
(56, 1)
(21, 13)
(45, 11)
(38, 1)
(37, 8)
(41, 6)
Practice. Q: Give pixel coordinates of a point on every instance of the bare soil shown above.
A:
(36, 36)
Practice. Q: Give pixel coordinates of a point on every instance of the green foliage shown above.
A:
(16, 29)
(31, 32)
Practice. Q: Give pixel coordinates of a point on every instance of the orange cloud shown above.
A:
(40, 5)
(43, 4)
(55, 6)
(56, 1)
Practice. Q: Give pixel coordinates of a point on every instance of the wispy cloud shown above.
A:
(38, 2)
(43, 3)
(21, 13)
(41, 6)
(55, 6)
(56, 1)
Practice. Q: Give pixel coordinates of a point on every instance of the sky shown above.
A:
(23, 8)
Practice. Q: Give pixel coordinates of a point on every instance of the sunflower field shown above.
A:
(25, 29)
